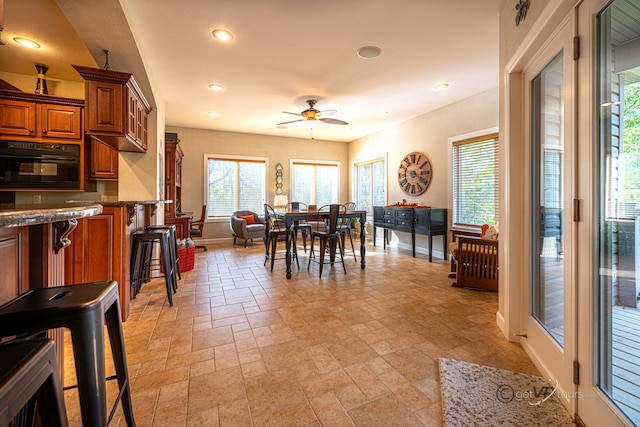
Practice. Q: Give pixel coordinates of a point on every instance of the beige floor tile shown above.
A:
(246, 347)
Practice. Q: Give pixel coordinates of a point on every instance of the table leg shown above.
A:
(363, 250)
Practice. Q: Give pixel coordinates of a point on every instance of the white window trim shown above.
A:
(383, 156)
(451, 141)
(205, 177)
(314, 162)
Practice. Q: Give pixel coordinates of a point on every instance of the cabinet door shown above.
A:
(104, 107)
(60, 121)
(132, 119)
(17, 118)
(14, 262)
(104, 161)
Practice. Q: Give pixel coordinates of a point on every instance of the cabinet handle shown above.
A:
(32, 131)
(44, 131)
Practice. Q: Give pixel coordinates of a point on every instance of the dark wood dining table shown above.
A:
(290, 218)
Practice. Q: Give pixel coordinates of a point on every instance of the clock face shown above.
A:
(414, 173)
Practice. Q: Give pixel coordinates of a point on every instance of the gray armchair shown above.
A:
(243, 228)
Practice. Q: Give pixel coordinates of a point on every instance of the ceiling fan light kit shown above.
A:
(311, 116)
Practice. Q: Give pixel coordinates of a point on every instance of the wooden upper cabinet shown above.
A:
(104, 161)
(117, 111)
(39, 118)
(60, 121)
(17, 118)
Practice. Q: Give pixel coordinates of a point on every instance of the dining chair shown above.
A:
(332, 236)
(350, 206)
(197, 227)
(302, 226)
(275, 229)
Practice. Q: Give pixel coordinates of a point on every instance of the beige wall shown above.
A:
(428, 133)
(196, 143)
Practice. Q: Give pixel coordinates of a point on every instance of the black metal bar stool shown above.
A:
(83, 309)
(173, 244)
(141, 257)
(28, 373)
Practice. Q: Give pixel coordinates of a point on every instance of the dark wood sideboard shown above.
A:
(425, 221)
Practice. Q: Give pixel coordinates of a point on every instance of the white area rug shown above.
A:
(476, 395)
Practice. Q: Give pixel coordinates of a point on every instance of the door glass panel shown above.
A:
(547, 97)
(618, 209)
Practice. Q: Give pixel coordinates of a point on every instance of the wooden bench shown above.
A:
(475, 263)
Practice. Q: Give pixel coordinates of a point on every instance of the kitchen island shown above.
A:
(33, 239)
(100, 246)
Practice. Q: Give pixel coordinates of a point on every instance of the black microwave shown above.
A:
(34, 165)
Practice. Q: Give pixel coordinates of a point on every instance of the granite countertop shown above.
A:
(121, 202)
(21, 215)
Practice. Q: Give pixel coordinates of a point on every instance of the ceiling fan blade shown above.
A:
(295, 114)
(333, 121)
(292, 121)
(327, 113)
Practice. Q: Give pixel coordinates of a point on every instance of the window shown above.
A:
(235, 184)
(475, 181)
(370, 184)
(314, 183)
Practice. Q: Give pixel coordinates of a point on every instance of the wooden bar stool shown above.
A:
(83, 309)
(28, 374)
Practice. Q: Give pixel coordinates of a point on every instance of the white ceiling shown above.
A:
(283, 53)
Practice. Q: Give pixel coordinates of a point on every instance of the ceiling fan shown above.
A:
(312, 116)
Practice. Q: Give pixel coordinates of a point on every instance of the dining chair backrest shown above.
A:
(269, 217)
(296, 206)
(336, 218)
(350, 206)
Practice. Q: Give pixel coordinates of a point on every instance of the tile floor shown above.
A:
(246, 347)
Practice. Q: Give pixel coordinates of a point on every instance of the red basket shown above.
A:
(186, 258)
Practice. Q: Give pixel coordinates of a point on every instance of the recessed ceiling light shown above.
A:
(216, 87)
(383, 113)
(368, 52)
(441, 86)
(222, 35)
(212, 113)
(26, 42)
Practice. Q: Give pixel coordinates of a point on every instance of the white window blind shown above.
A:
(235, 184)
(475, 181)
(314, 183)
(370, 186)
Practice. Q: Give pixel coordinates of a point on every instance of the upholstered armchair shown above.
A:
(247, 225)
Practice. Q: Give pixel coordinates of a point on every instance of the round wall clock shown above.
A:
(414, 173)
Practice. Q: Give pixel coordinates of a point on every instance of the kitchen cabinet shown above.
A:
(39, 118)
(116, 109)
(173, 214)
(103, 161)
(14, 253)
(173, 156)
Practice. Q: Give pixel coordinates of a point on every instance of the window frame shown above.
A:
(236, 158)
(479, 136)
(314, 163)
(370, 160)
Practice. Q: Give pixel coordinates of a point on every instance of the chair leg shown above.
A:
(341, 248)
(245, 243)
(274, 243)
(323, 247)
(352, 248)
(234, 240)
(267, 245)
